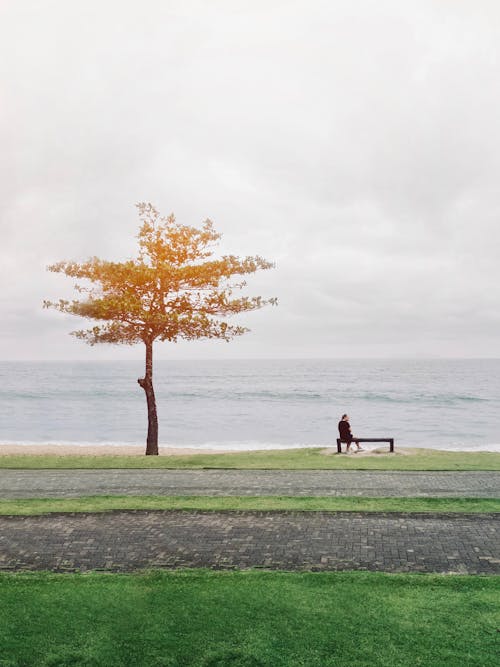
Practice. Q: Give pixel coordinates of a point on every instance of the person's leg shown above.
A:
(360, 449)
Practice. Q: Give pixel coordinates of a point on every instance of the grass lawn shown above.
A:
(291, 459)
(33, 506)
(200, 618)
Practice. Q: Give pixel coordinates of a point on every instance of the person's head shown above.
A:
(345, 418)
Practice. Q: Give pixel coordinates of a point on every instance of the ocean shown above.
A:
(250, 404)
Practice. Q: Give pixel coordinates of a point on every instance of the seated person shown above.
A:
(346, 435)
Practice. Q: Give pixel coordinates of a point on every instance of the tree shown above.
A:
(174, 289)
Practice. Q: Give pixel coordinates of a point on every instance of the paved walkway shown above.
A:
(126, 541)
(134, 540)
(73, 483)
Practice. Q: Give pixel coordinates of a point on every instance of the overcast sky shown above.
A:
(355, 143)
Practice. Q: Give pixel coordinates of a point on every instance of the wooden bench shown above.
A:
(389, 440)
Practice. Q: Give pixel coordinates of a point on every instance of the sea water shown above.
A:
(254, 404)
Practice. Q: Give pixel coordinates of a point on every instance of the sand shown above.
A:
(368, 452)
(89, 450)
(138, 450)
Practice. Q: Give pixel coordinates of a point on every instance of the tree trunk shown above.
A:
(147, 384)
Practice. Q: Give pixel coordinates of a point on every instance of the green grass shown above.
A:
(33, 506)
(291, 459)
(200, 618)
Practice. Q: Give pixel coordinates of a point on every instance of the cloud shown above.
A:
(356, 144)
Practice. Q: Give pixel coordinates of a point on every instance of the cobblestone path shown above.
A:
(73, 483)
(132, 540)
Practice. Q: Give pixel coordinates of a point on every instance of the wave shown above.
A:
(279, 395)
(443, 399)
(225, 395)
(248, 445)
(56, 395)
(164, 393)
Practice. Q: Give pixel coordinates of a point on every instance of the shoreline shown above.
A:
(87, 450)
(101, 450)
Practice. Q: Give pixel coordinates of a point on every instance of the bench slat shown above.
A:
(389, 440)
(374, 439)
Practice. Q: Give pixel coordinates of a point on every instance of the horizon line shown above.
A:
(422, 358)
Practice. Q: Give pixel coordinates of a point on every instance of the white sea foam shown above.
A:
(245, 446)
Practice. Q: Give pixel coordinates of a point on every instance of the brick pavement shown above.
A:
(133, 540)
(74, 483)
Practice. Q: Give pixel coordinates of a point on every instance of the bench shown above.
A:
(389, 440)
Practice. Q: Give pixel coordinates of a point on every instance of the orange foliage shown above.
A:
(174, 289)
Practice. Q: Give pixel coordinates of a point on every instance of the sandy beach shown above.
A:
(98, 450)
(138, 450)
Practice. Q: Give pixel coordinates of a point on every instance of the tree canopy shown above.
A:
(173, 289)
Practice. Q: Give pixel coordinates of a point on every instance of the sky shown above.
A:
(354, 143)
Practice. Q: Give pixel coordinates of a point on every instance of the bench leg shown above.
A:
(391, 445)
(339, 446)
